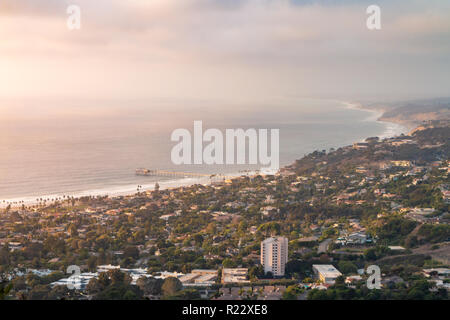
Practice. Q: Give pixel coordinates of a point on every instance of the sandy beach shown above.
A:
(125, 190)
(390, 129)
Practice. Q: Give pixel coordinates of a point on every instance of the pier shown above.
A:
(214, 177)
(178, 174)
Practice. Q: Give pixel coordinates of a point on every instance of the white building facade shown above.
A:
(327, 273)
(274, 255)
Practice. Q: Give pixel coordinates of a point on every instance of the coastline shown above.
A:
(122, 190)
(394, 126)
(375, 115)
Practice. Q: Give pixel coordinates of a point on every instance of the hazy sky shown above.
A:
(224, 49)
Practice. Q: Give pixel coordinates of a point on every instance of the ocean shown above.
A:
(50, 149)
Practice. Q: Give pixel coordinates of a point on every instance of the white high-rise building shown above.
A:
(274, 255)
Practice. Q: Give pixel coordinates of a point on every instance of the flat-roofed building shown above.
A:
(401, 163)
(234, 275)
(206, 279)
(188, 278)
(106, 268)
(199, 277)
(327, 273)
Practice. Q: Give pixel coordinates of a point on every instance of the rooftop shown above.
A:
(327, 270)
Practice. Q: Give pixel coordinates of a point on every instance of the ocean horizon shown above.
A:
(82, 152)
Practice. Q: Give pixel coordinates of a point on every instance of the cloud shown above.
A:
(216, 48)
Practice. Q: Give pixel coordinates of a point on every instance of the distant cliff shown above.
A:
(414, 113)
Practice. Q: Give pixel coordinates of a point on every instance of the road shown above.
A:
(323, 246)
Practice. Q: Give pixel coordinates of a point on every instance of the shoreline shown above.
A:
(391, 129)
(118, 191)
(378, 112)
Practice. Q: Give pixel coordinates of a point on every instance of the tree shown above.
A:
(39, 292)
(198, 239)
(58, 293)
(256, 272)
(228, 263)
(119, 278)
(340, 281)
(171, 286)
(316, 294)
(120, 292)
(94, 286)
(347, 267)
(103, 279)
(297, 266)
(19, 283)
(4, 290)
(150, 286)
(291, 293)
(130, 295)
(4, 255)
(270, 228)
(73, 230)
(92, 263)
(211, 228)
(187, 294)
(131, 251)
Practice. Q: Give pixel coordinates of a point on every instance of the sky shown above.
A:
(236, 50)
